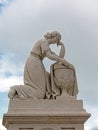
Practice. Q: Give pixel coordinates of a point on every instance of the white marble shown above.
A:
(39, 84)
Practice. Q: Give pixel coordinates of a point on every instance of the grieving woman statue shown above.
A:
(37, 81)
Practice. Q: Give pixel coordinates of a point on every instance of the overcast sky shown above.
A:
(23, 22)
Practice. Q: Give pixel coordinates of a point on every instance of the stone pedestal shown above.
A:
(66, 114)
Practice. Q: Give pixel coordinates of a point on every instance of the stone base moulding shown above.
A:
(45, 115)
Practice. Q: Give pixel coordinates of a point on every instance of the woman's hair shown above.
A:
(52, 34)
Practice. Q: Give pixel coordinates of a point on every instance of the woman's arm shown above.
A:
(54, 57)
(47, 51)
(62, 51)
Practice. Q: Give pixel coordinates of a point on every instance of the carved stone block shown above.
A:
(45, 115)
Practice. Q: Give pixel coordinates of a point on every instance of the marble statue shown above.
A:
(40, 84)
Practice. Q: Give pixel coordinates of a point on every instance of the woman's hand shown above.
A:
(67, 64)
(59, 43)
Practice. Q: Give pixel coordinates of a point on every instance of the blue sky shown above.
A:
(22, 22)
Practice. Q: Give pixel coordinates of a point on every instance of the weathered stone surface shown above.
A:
(45, 115)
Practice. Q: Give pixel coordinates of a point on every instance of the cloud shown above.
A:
(18, 25)
(8, 66)
(93, 120)
(1, 126)
(4, 4)
(6, 83)
(10, 73)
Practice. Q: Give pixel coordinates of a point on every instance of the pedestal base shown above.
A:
(45, 115)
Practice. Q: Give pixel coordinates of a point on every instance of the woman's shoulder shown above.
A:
(44, 45)
(42, 41)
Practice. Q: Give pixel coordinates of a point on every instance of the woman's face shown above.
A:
(56, 39)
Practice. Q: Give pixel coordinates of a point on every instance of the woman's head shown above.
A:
(54, 36)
